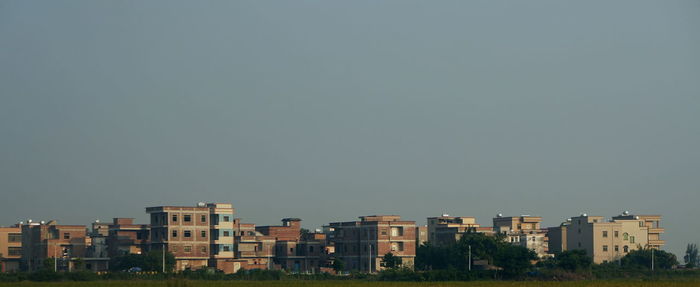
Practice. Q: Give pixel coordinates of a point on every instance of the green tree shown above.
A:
(338, 265)
(691, 257)
(642, 259)
(573, 260)
(391, 261)
(515, 260)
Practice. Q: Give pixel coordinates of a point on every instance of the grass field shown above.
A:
(354, 284)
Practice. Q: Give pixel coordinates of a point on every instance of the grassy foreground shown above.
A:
(171, 283)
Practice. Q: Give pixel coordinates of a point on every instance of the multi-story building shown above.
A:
(556, 238)
(523, 231)
(653, 224)
(182, 231)
(362, 244)
(306, 255)
(289, 230)
(96, 253)
(255, 250)
(10, 248)
(64, 243)
(126, 237)
(421, 235)
(446, 229)
(608, 241)
(222, 241)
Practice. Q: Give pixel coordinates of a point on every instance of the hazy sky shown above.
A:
(328, 110)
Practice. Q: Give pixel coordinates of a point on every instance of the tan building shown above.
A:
(362, 244)
(445, 229)
(653, 224)
(255, 250)
(184, 232)
(557, 238)
(126, 237)
(608, 241)
(40, 241)
(523, 231)
(10, 248)
(421, 235)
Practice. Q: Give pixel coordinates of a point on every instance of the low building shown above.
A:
(64, 243)
(361, 245)
(253, 249)
(126, 237)
(524, 230)
(10, 248)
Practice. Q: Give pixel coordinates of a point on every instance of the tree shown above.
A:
(642, 259)
(391, 261)
(515, 260)
(573, 260)
(691, 257)
(338, 265)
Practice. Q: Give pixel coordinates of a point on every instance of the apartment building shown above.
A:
(362, 244)
(223, 256)
(255, 250)
(182, 231)
(289, 230)
(653, 224)
(421, 235)
(43, 240)
(10, 248)
(126, 237)
(306, 255)
(556, 238)
(607, 241)
(524, 230)
(446, 229)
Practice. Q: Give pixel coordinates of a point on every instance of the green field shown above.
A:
(134, 283)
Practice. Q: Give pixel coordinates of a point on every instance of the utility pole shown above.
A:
(369, 261)
(55, 265)
(470, 258)
(652, 259)
(163, 257)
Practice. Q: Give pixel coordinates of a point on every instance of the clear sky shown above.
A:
(328, 110)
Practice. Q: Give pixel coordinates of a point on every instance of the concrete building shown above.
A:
(223, 256)
(556, 238)
(255, 250)
(421, 235)
(40, 241)
(653, 224)
(126, 237)
(306, 255)
(445, 229)
(289, 230)
(608, 241)
(362, 244)
(182, 231)
(10, 248)
(524, 230)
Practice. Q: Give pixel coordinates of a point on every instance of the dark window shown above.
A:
(626, 249)
(617, 234)
(605, 234)
(227, 234)
(617, 248)
(227, 218)
(14, 251)
(174, 233)
(227, 248)
(14, 237)
(605, 248)
(204, 233)
(66, 235)
(311, 249)
(188, 248)
(188, 233)
(174, 217)
(203, 218)
(204, 249)
(187, 218)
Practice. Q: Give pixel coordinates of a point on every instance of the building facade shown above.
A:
(10, 248)
(445, 229)
(362, 244)
(63, 243)
(525, 231)
(182, 231)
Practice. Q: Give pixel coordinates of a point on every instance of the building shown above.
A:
(289, 230)
(126, 237)
(362, 244)
(608, 241)
(523, 231)
(653, 224)
(223, 255)
(306, 255)
(253, 249)
(421, 235)
(182, 231)
(41, 241)
(10, 248)
(446, 229)
(556, 238)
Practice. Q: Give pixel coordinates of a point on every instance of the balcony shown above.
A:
(656, 230)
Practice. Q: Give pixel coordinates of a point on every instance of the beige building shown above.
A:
(608, 241)
(10, 248)
(445, 229)
(182, 231)
(524, 230)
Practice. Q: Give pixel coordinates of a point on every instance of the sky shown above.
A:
(329, 110)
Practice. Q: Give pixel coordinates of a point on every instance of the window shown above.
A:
(173, 248)
(383, 231)
(188, 248)
(605, 248)
(204, 234)
(14, 251)
(204, 249)
(14, 237)
(187, 218)
(625, 236)
(174, 217)
(291, 250)
(631, 239)
(227, 248)
(227, 218)
(617, 248)
(66, 235)
(174, 233)
(605, 234)
(227, 234)
(188, 233)
(396, 231)
(311, 249)
(617, 234)
(626, 249)
(203, 218)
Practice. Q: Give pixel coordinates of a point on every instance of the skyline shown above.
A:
(327, 111)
